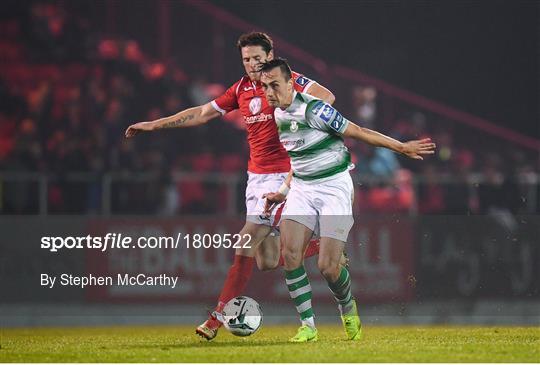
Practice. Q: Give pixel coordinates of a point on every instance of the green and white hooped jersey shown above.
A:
(310, 130)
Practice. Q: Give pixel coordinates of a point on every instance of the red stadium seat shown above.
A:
(203, 162)
(231, 163)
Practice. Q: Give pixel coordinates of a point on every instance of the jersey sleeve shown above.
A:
(228, 101)
(301, 83)
(325, 117)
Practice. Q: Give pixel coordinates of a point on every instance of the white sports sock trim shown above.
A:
(292, 281)
(309, 321)
(304, 306)
(300, 291)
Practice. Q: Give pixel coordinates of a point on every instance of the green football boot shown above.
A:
(305, 334)
(352, 324)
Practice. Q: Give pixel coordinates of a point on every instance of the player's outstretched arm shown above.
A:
(191, 117)
(320, 92)
(413, 149)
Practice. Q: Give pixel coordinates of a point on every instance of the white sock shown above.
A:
(309, 321)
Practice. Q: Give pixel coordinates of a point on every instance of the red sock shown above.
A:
(237, 279)
(312, 250)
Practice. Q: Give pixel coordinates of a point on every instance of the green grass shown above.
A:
(179, 344)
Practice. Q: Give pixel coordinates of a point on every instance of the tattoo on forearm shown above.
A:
(177, 122)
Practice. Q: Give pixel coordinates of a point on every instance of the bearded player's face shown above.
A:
(253, 57)
(277, 90)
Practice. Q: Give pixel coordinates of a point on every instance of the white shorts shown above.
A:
(257, 186)
(325, 207)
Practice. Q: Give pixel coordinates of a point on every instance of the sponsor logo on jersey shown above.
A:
(293, 143)
(318, 105)
(294, 126)
(302, 81)
(337, 123)
(258, 118)
(255, 105)
(327, 113)
(248, 88)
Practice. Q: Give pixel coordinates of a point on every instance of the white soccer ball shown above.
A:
(242, 316)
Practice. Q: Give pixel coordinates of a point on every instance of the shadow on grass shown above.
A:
(211, 344)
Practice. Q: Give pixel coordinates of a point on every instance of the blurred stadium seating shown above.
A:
(69, 92)
(72, 80)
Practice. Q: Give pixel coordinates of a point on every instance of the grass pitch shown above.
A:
(179, 344)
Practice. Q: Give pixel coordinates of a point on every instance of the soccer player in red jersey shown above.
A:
(268, 164)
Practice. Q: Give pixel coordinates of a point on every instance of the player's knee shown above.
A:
(329, 269)
(267, 264)
(291, 257)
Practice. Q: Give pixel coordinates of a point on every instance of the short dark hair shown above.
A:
(255, 39)
(278, 62)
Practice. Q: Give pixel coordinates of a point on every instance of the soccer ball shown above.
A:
(242, 316)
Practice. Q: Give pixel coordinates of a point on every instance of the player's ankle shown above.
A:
(309, 321)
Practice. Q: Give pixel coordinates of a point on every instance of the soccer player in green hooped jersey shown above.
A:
(319, 191)
(268, 163)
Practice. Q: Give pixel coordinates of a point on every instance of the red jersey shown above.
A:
(266, 154)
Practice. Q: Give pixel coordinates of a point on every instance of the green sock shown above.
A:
(300, 292)
(342, 291)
